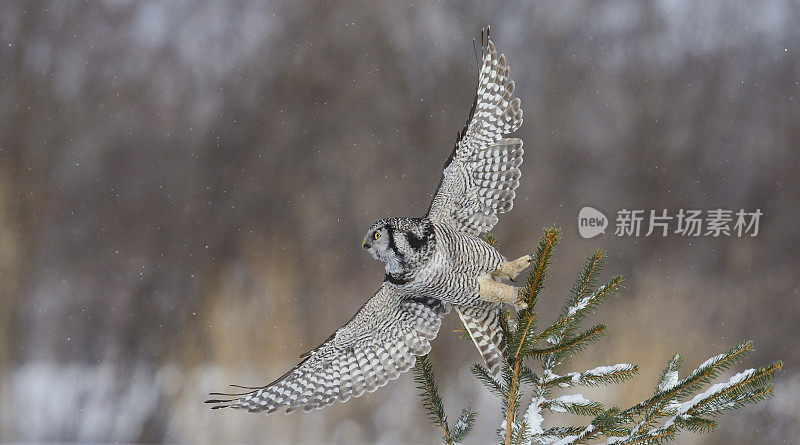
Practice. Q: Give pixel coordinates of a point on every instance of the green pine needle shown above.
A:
(563, 431)
(485, 377)
(571, 345)
(699, 424)
(588, 279)
(591, 408)
(541, 261)
(463, 425)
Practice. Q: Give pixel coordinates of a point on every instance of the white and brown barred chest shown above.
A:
(450, 270)
(464, 252)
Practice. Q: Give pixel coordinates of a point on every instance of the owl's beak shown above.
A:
(364, 245)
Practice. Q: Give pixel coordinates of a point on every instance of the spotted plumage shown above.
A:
(432, 263)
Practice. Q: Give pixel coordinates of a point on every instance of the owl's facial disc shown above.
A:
(377, 242)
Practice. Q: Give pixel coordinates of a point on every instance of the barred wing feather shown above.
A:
(482, 173)
(378, 344)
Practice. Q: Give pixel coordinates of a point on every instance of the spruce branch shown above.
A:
(485, 377)
(588, 278)
(463, 425)
(699, 424)
(526, 324)
(541, 261)
(559, 432)
(574, 404)
(746, 387)
(743, 388)
(572, 314)
(703, 374)
(513, 402)
(432, 402)
(602, 375)
(669, 377)
(526, 375)
(676, 404)
(572, 345)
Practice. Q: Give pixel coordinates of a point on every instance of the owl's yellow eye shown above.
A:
(377, 235)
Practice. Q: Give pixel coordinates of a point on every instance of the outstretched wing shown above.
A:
(482, 173)
(381, 341)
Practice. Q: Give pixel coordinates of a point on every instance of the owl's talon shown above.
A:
(490, 289)
(510, 269)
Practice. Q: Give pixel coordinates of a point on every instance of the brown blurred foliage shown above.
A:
(184, 186)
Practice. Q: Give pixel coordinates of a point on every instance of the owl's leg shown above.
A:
(489, 289)
(510, 269)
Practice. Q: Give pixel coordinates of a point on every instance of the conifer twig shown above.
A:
(525, 325)
(432, 402)
(423, 376)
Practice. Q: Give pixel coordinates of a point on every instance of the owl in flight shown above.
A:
(433, 263)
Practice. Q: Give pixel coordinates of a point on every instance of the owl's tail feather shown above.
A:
(483, 324)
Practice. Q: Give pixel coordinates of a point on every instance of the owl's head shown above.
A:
(380, 241)
(398, 242)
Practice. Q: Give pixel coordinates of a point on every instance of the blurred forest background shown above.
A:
(184, 187)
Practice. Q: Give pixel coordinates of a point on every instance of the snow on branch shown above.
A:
(574, 404)
(600, 375)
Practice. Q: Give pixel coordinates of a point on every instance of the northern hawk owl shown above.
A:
(433, 263)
